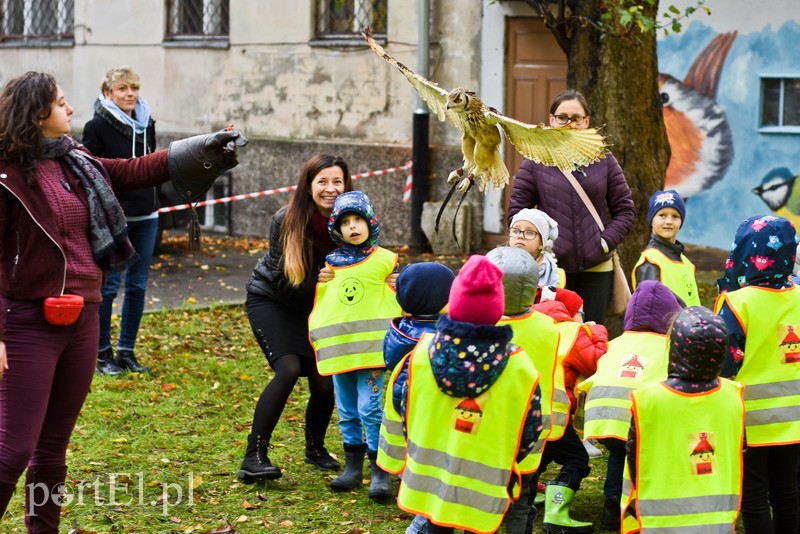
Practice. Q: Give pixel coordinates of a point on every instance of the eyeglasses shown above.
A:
(525, 234)
(563, 120)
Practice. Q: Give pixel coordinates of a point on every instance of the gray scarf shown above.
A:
(109, 232)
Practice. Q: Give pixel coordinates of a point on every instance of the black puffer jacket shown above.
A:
(107, 137)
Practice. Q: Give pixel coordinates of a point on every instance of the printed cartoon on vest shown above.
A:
(702, 454)
(468, 416)
(632, 367)
(351, 292)
(790, 343)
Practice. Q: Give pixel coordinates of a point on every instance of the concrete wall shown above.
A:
(290, 98)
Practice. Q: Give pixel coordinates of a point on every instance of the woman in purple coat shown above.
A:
(583, 251)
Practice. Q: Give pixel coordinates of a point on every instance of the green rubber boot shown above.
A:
(558, 497)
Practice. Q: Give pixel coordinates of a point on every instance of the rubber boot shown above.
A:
(256, 464)
(44, 488)
(380, 482)
(6, 492)
(106, 364)
(611, 514)
(127, 360)
(558, 496)
(538, 500)
(317, 454)
(353, 473)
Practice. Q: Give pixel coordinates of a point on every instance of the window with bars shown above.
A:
(36, 20)
(344, 19)
(197, 19)
(780, 103)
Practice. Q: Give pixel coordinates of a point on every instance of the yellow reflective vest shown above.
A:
(676, 275)
(633, 360)
(688, 460)
(770, 371)
(461, 452)
(568, 331)
(392, 439)
(351, 315)
(539, 336)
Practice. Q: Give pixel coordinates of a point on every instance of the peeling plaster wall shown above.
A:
(289, 97)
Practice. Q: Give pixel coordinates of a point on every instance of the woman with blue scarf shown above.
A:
(123, 128)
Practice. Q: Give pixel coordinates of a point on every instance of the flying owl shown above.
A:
(565, 148)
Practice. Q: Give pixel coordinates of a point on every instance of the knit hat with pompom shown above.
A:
(476, 295)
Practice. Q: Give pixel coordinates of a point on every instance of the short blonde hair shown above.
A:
(118, 75)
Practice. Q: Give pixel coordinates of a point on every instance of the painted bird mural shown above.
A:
(565, 148)
(778, 189)
(697, 127)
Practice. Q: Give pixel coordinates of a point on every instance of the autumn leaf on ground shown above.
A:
(227, 527)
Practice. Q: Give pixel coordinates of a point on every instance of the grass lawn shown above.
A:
(160, 452)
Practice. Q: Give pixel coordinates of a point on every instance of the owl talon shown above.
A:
(455, 175)
(466, 183)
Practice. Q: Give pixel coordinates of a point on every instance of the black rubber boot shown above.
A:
(127, 360)
(611, 514)
(256, 464)
(317, 454)
(380, 482)
(106, 364)
(353, 473)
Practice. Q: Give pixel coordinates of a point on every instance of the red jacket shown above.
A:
(32, 264)
(590, 345)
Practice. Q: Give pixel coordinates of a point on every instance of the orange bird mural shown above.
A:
(697, 127)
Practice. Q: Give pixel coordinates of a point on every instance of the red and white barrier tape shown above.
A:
(275, 191)
(409, 183)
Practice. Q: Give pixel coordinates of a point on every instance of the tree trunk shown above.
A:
(619, 77)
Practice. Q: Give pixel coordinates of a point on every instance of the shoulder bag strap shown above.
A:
(582, 194)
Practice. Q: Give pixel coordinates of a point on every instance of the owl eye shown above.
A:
(664, 98)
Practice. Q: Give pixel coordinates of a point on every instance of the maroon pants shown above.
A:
(50, 369)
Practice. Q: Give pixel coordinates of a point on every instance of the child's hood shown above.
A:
(520, 277)
(555, 309)
(697, 345)
(467, 359)
(763, 252)
(354, 202)
(652, 308)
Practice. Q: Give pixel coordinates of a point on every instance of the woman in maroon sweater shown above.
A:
(583, 251)
(61, 228)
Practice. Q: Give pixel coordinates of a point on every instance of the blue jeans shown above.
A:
(358, 400)
(142, 235)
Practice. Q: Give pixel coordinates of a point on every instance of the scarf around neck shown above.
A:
(108, 229)
(548, 271)
(141, 113)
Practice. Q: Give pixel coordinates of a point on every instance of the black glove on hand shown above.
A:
(195, 162)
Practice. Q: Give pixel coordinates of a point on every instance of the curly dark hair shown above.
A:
(25, 100)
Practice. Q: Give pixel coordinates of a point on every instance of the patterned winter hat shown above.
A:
(665, 199)
(476, 295)
(698, 344)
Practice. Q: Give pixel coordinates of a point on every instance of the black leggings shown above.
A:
(272, 400)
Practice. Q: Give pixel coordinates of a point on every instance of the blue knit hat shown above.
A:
(423, 288)
(665, 199)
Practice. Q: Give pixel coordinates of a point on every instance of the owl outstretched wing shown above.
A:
(430, 92)
(565, 148)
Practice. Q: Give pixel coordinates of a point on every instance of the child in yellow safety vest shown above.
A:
(762, 311)
(636, 358)
(663, 258)
(347, 326)
(684, 468)
(470, 410)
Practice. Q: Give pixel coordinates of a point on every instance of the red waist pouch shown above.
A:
(63, 310)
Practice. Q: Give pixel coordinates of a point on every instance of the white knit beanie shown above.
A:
(547, 227)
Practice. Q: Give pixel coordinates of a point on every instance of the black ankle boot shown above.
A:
(256, 464)
(611, 514)
(127, 360)
(106, 365)
(353, 473)
(380, 482)
(317, 454)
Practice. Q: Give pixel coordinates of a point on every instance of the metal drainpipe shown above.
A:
(420, 151)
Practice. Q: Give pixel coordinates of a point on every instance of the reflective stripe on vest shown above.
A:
(633, 360)
(538, 334)
(569, 334)
(770, 370)
(679, 276)
(351, 315)
(699, 488)
(458, 475)
(392, 439)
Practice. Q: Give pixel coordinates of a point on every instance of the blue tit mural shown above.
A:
(723, 161)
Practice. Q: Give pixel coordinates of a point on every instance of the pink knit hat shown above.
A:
(476, 295)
